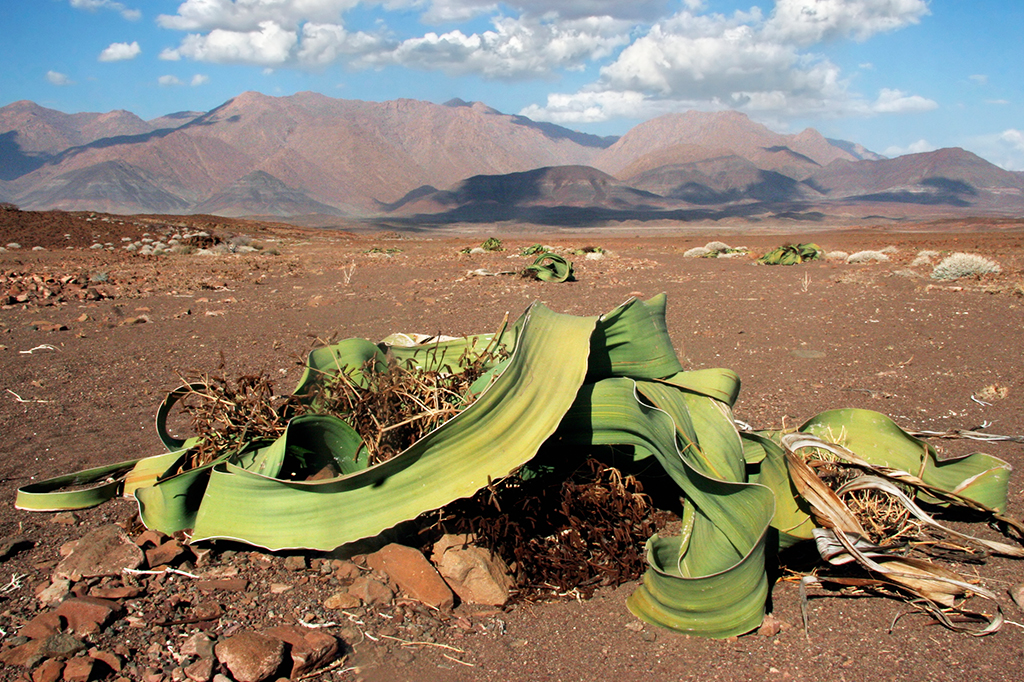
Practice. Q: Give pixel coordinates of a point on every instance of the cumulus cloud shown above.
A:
(918, 147)
(899, 102)
(516, 48)
(249, 15)
(807, 22)
(441, 11)
(653, 55)
(269, 44)
(167, 81)
(117, 52)
(58, 78)
(745, 60)
(199, 79)
(93, 5)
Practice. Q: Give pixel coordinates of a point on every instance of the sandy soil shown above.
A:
(804, 339)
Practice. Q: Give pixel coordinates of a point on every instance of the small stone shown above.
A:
(150, 537)
(60, 645)
(1017, 595)
(477, 576)
(88, 615)
(770, 626)
(309, 648)
(165, 553)
(411, 571)
(370, 591)
(345, 570)
(342, 600)
(48, 671)
(79, 669)
(295, 563)
(111, 660)
(223, 585)
(42, 626)
(104, 551)
(55, 592)
(65, 519)
(122, 592)
(201, 670)
(251, 657)
(280, 588)
(199, 645)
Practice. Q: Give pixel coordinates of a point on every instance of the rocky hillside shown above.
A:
(312, 154)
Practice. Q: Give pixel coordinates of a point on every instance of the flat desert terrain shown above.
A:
(80, 381)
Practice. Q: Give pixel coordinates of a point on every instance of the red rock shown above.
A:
(342, 599)
(54, 592)
(413, 574)
(199, 645)
(370, 591)
(201, 670)
(165, 553)
(309, 648)
(477, 576)
(111, 660)
(346, 570)
(48, 671)
(223, 585)
(251, 657)
(26, 656)
(150, 537)
(42, 626)
(104, 551)
(123, 592)
(88, 615)
(79, 669)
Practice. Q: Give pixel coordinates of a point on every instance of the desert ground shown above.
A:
(80, 380)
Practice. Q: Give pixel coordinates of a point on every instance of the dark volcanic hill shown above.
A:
(261, 194)
(308, 153)
(951, 177)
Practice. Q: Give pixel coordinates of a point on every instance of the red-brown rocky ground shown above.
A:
(80, 379)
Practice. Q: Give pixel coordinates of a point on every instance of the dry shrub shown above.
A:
(559, 539)
(964, 265)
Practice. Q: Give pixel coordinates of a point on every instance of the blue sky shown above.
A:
(894, 75)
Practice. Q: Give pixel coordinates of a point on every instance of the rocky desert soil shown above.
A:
(92, 338)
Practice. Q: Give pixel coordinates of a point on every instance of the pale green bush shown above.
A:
(867, 257)
(964, 265)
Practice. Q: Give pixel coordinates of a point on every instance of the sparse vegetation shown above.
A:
(697, 252)
(964, 265)
(791, 254)
(867, 257)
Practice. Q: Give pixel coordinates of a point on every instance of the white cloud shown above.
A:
(918, 147)
(199, 79)
(744, 61)
(270, 44)
(1013, 138)
(117, 52)
(58, 78)
(325, 43)
(516, 48)
(980, 79)
(249, 15)
(899, 102)
(807, 22)
(1005, 149)
(441, 11)
(167, 81)
(93, 5)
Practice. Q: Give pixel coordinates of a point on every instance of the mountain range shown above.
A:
(418, 162)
